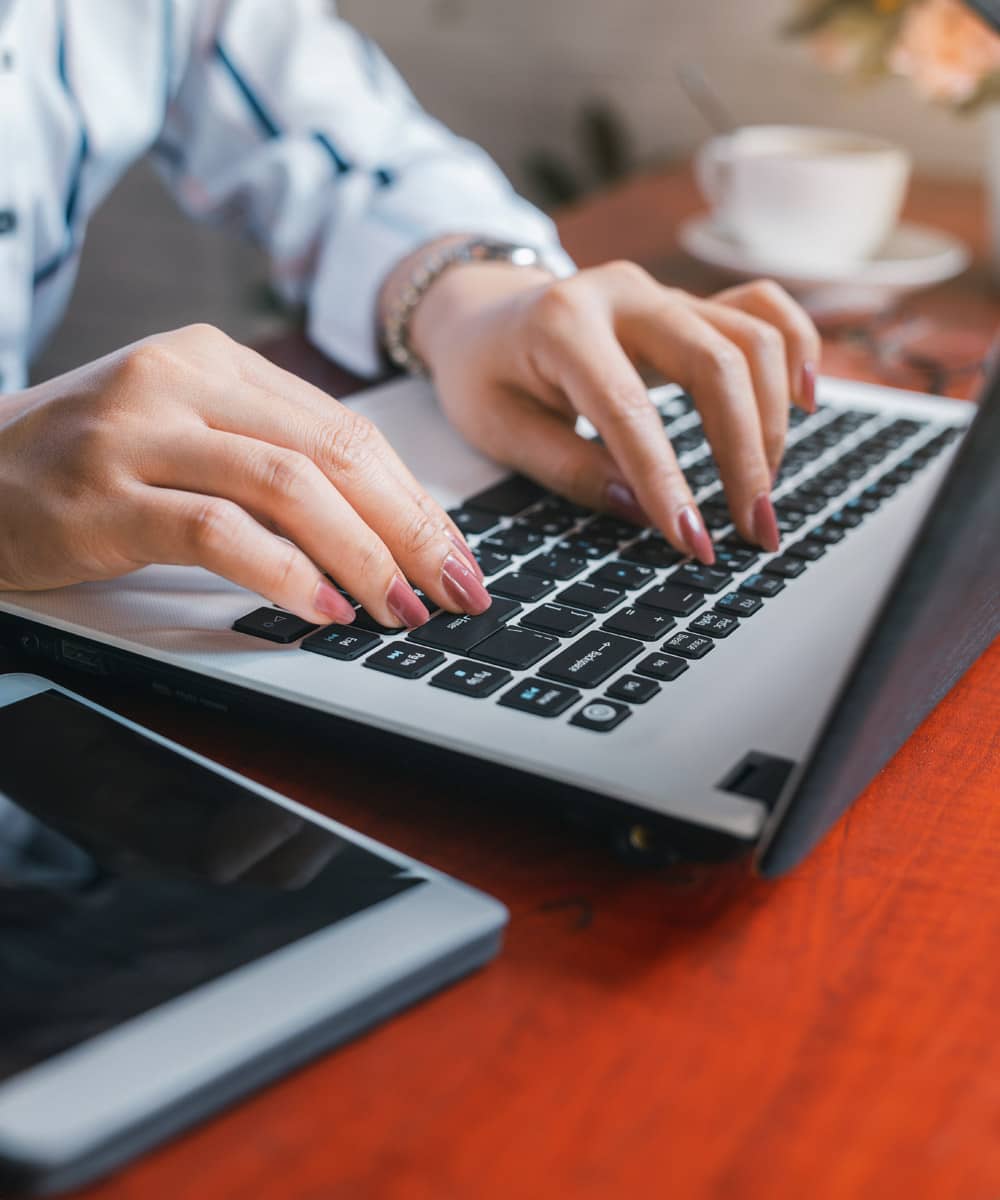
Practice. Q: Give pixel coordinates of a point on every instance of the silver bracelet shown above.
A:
(396, 334)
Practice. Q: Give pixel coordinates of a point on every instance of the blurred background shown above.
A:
(559, 92)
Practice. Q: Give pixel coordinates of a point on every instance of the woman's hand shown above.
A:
(188, 448)
(517, 356)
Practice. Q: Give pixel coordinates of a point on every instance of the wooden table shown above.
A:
(690, 1035)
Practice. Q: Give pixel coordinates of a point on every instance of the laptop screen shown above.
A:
(940, 615)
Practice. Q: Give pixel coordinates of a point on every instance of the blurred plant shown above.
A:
(605, 150)
(945, 47)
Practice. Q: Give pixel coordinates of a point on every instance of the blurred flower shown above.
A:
(845, 42)
(945, 49)
(944, 46)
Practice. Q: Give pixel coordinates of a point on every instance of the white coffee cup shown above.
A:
(793, 195)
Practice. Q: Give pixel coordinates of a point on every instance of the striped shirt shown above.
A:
(274, 116)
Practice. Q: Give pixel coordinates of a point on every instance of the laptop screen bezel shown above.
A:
(864, 730)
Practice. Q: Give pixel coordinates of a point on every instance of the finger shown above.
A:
(284, 489)
(672, 337)
(604, 386)
(351, 452)
(188, 529)
(546, 447)
(770, 302)
(764, 349)
(276, 382)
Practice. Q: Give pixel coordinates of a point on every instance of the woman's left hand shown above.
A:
(516, 356)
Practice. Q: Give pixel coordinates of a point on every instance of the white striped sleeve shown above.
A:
(291, 124)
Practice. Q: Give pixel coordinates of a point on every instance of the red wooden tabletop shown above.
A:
(693, 1034)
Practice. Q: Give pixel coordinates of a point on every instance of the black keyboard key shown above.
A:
(788, 519)
(491, 561)
(762, 585)
(846, 518)
(273, 626)
(823, 486)
(364, 620)
(517, 586)
(809, 549)
(539, 697)
(645, 623)
(546, 522)
(701, 474)
(738, 604)
(634, 689)
(516, 647)
(601, 716)
(651, 552)
(459, 632)
(730, 558)
(828, 534)
(714, 624)
(508, 497)
(661, 666)
(592, 659)
(513, 540)
(785, 565)
(583, 546)
(806, 502)
(558, 619)
(623, 575)
(611, 529)
(468, 678)
(597, 597)
(557, 564)
(404, 660)
(688, 645)
(671, 598)
(705, 579)
(472, 520)
(342, 642)
(879, 490)
(863, 504)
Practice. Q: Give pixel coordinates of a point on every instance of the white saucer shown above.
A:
(913, 257)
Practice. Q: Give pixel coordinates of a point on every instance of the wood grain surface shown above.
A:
(694, 1035)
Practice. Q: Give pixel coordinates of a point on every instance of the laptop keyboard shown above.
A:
(583, 601)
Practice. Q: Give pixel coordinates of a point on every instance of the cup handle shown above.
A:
(711, 172)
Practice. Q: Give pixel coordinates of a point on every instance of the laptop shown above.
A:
(687, 711)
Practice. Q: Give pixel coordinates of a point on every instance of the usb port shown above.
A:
(83, 657)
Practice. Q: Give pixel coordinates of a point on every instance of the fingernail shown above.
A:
(764, 524)
(695, 535)
(332, 604)
(462, 546)
(463, 587)
(404, 605)
(621, 500)
(807, 387)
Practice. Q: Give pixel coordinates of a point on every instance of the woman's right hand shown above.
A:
(188, 448)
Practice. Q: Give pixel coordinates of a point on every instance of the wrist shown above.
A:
(438, 287)
(461, 297)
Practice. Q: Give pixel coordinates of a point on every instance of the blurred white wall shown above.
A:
(512, 73)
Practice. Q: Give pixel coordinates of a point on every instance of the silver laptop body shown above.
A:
(709, 754)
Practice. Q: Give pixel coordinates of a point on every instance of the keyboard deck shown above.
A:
(592, 615)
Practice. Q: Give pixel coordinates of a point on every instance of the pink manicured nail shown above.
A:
(807, 387)
(764, 523)
(695, 535)
(462, 546)
(332, 604)
(463, 587)
(621, 500)
(404, 605)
